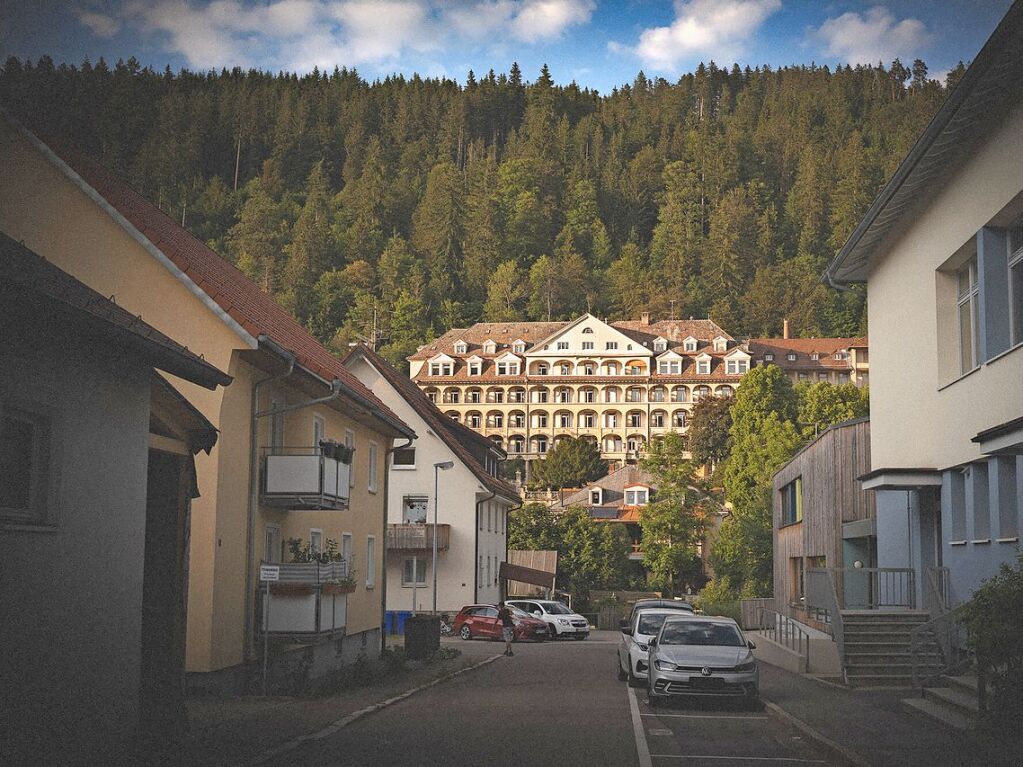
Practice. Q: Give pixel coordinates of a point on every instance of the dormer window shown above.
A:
(689, 345)
(441, 368)
(596, 496)
(519, 347)
(461, 347)
(815, 356)
(587, 331)
(703, 367)
(768, 357)
(489, 347)
(660, 345)
(720, 344)
(508, 368)
(636, 496)
(842, 355)
(736, 367)
(475, 368)
(791, 356)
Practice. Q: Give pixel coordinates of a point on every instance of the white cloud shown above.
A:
(297, 35)
(872, 36)
(99, 24)
(702, 29)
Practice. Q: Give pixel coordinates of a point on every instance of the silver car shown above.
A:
(701, 656)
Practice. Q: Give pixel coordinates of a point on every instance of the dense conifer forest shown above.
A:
(403, 207)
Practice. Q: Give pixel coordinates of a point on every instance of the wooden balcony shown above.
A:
(417, 537)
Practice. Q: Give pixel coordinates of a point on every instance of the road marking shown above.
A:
(701, 716)
(658, 732)
(740, 758)
(642, 749)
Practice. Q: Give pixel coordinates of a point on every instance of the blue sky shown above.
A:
(597, 43)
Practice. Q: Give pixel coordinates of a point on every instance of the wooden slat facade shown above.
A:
(832, 496)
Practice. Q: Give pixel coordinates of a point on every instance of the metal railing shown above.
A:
(417, 536)
(314, 573)
(937, 590)
(952, 639)
(873, 588)
(781, 629)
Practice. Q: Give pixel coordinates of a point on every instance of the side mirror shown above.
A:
(752, 645)
(537, 613)
(627, 630)
(623, 623)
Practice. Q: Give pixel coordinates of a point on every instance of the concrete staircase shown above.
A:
(954, 705)
(877, 648)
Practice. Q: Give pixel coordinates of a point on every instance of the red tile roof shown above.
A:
(455, 435)
(803, 348)
(256, 312)
(31, 275)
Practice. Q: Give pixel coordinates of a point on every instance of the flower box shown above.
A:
(339, 588)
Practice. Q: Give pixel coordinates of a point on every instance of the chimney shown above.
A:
(644, 318)
(784, 328)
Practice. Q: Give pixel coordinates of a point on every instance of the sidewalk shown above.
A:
(872, 724)
(236, 730)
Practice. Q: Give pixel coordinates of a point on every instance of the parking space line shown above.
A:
(642, 749)
(739, 758)
(701, 716)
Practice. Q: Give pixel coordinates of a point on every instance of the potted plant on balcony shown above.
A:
(344, 585)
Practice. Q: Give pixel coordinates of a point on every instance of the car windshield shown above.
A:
(705, 634)
(650, 623)
(518, 612)
(556, 608)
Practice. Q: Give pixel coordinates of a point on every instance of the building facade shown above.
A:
(941, 252)
(812, 360)
(526, 385)
(470, 501)
(289, 396)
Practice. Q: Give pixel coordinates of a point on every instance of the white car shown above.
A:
(560, 620)
(636, 636)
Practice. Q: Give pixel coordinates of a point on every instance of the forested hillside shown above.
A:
(412, 205)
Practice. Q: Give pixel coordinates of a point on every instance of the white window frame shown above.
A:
(371, 561)
(660, 346)
(1015, 267)
(404, 466)
(315, 540)
(408, 502)
(461, 348)
(319, 429)
(272, 535)
(791, 356)
(970, 300)
(475, 368)
(703, 367)
(43, 495)
(371, 474)
(587, 345)
(348, 548)
(689, 346)
(415, 582)
(768, 357)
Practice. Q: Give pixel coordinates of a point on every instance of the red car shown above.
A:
(481, 621)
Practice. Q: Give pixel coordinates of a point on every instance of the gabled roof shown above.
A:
(803, 348)
(453, 434)
(234, 297)
(81, 311)
(987, 91)
(552, 337)
(613, 486)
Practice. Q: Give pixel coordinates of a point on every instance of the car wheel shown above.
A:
(553, 631)
(466, 632)
(622, 673)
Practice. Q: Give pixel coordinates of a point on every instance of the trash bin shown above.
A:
(422, 636)
(389, 622)
(400, 617)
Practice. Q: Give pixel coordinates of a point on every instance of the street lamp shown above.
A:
(437, 467)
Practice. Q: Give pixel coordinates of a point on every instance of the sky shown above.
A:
(596, 43)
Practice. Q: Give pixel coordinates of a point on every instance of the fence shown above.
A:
(752, 612)
(782, 630)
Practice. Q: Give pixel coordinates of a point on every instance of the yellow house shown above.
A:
(268, 479)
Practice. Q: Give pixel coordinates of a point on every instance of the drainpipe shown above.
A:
(250, 533)
(383, 546)
(506, 515)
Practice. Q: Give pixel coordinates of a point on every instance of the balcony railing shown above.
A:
(304, 478)
(308, 599)
(417, 537)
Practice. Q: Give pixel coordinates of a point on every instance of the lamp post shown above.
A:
(437, 467)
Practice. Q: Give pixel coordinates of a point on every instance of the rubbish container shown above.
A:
(389, 622)
(399, 622)
(422, 636)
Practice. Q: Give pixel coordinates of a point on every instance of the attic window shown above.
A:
(489, 347)
(519, 347)
(562, 345)
(475, 368)
(596, 496)
(636, 496)
(768, 357)
(461, 348)
(841, 355)
(441, 368)
(660, 345)
(791, 356)
(703, 367)
(611, 345)
(720, 344)
(587, 330)
(690, 346)
(815, 356)
(736, 367)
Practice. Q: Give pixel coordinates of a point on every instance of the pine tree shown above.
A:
(311, 251)
(437, 229)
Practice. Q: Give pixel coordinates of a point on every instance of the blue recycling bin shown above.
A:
(389, 622)
(403, 615)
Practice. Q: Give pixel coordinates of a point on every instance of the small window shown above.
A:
(413, 571)
(791, 356)
(371, 561)
(404, 458)
(461, 348)
(346, 548)
(414, 509)
(587, 345)
(562, 345)
(690, 345)
(595, 497)
(25, 445)
(372, 476)
(587, 331)
(475, 368)
(660, 346)
(489, 347)
(768, 357)
(792, 502)
(611, 345)
(272, 544)
(518, 347)
(315, 541)
(703, 367)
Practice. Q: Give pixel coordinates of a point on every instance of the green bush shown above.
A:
(994, 618)
(718, 598)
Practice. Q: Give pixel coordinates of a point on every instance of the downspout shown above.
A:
(250, 533)
(383, 546)
(506, 516)
(476, 551)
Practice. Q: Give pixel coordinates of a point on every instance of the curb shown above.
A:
(347, 719)
(847, 754)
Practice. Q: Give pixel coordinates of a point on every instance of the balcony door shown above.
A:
(272, 545)
(414, 509)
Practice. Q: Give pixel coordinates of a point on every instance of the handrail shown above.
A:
(951, 637)
(786, 632)
(822, 594)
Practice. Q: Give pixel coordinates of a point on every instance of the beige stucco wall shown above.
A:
(920, 416)
(41, 206)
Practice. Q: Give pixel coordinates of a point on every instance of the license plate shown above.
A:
(706, 683)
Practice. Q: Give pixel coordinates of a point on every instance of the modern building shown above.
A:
(812, 360)
(941, 253)
(97, 485)
(525, 385)
(303, 444)
(448, 474)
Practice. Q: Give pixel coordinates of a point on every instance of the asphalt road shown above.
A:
(556, 703)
